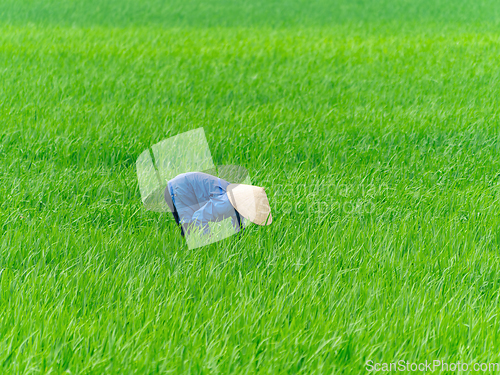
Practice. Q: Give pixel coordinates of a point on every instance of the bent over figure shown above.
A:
(197, 198)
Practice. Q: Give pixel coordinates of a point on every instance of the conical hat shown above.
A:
(251, 202)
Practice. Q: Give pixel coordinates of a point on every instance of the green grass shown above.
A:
(374, 127)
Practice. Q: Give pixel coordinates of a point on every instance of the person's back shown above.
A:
(200, 198)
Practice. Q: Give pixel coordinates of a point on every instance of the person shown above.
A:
(197, 198)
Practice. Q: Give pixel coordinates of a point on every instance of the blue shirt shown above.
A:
(200, 198)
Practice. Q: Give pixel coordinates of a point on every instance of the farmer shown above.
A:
(197, 198)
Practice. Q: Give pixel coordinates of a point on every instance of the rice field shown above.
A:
(373, 126)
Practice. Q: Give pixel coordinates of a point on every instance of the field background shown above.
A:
(373, 125)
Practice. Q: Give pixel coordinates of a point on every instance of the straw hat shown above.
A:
(251, 202)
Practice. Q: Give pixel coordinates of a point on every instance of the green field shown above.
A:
(373, 125)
